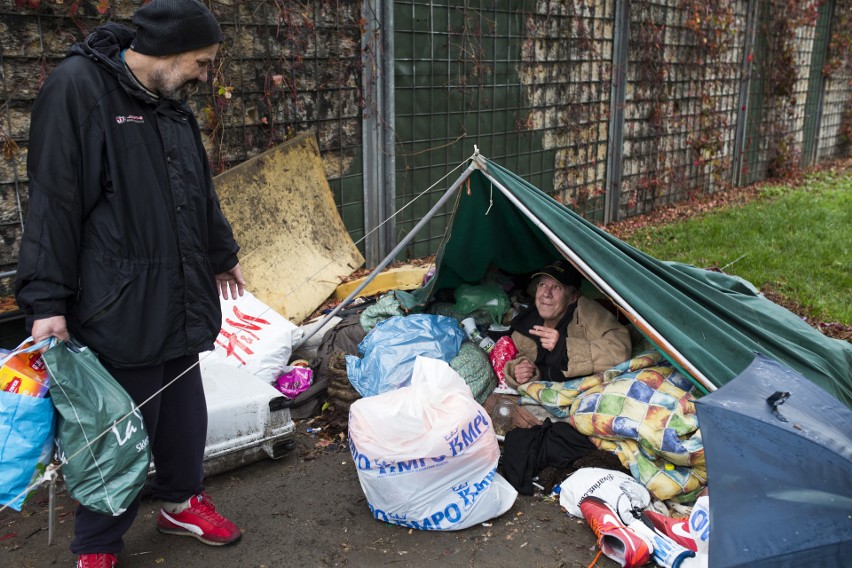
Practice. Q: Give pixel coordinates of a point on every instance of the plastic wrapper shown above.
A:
(295, 381)
(22, 371)
(104, 473)
(504, 350)
(26, 422)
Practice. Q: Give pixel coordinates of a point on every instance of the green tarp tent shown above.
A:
(706, 323)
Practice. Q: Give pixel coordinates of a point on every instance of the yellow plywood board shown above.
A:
(402, 278)
(295, 248)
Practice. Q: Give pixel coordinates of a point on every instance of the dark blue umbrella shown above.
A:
(779, 469)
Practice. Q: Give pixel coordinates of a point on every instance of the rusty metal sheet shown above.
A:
(295, 248)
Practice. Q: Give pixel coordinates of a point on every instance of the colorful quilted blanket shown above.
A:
(643, 411)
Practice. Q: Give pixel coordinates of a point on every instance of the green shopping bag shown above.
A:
(101, 437)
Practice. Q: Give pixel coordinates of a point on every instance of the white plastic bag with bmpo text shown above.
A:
(427, 454)
(253, 337)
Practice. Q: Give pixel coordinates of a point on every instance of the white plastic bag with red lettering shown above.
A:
(427, 454)
(253, 337)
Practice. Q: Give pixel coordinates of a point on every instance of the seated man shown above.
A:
(564, 334)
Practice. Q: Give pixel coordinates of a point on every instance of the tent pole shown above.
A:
(606, 288)
(387, 260)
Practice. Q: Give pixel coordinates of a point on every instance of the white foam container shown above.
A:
(246, 419)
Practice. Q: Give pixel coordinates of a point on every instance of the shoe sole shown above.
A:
(200, 538)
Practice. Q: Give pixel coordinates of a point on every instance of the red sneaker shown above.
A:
(200, 520)
(97, 561)
(675, 529)
(616, 540)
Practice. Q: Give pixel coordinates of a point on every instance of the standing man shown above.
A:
(125, 245)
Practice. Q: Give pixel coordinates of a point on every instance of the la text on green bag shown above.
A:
(101, 436)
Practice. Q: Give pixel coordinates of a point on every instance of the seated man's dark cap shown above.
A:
(166, 27)
(562, 271)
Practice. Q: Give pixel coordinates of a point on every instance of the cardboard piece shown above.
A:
(295, 248)
(402, 278)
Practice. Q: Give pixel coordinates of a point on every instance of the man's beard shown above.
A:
(179, 93)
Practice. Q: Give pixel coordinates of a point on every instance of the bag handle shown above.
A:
(35, 347)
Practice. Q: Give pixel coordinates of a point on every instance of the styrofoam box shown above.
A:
(246, 419)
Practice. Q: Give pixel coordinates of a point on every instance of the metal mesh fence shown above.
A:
(526, 82)
(783, 51)
(456, 88)
(683, 87)
(835, 113)
(290, 67)
(836, 124)
(566, 70)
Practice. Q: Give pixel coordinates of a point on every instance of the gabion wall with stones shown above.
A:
(714, 94)
(285, 67)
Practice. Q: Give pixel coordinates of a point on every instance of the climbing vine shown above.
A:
(652, 103)
(565, 92)
(840, 44)
(781, 27)
(712, 26)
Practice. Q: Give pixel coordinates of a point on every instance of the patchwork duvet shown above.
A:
(643, 410)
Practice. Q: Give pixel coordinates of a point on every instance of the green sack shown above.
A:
(488, 297)
(101, 437)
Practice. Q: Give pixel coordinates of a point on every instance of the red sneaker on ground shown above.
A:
(97, 561)
(616, 540)
(200, 520)
(675, 529)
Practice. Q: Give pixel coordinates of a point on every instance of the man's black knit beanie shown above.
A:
(165, 27)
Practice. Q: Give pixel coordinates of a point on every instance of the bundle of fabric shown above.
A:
(643, 411)
(473, 365)
(330, 366)
(385, 307)
(340, 391)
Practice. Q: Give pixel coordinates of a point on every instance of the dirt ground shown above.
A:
(308, 509)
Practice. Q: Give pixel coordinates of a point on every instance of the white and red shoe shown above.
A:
(616, 540)
(675, 529)
(198, 518)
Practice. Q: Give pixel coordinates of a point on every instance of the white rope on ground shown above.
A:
(51, 474)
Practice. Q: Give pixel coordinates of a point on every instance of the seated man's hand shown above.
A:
(524, 372)
(548, 336)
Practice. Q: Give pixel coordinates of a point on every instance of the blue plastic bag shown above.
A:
(26, 439)
(390, 349)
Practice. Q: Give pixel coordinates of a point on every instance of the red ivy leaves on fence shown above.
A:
(840, 44)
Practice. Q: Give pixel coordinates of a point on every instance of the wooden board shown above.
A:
(295, 248)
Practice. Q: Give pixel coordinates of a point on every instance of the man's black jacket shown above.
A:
(124, 232)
